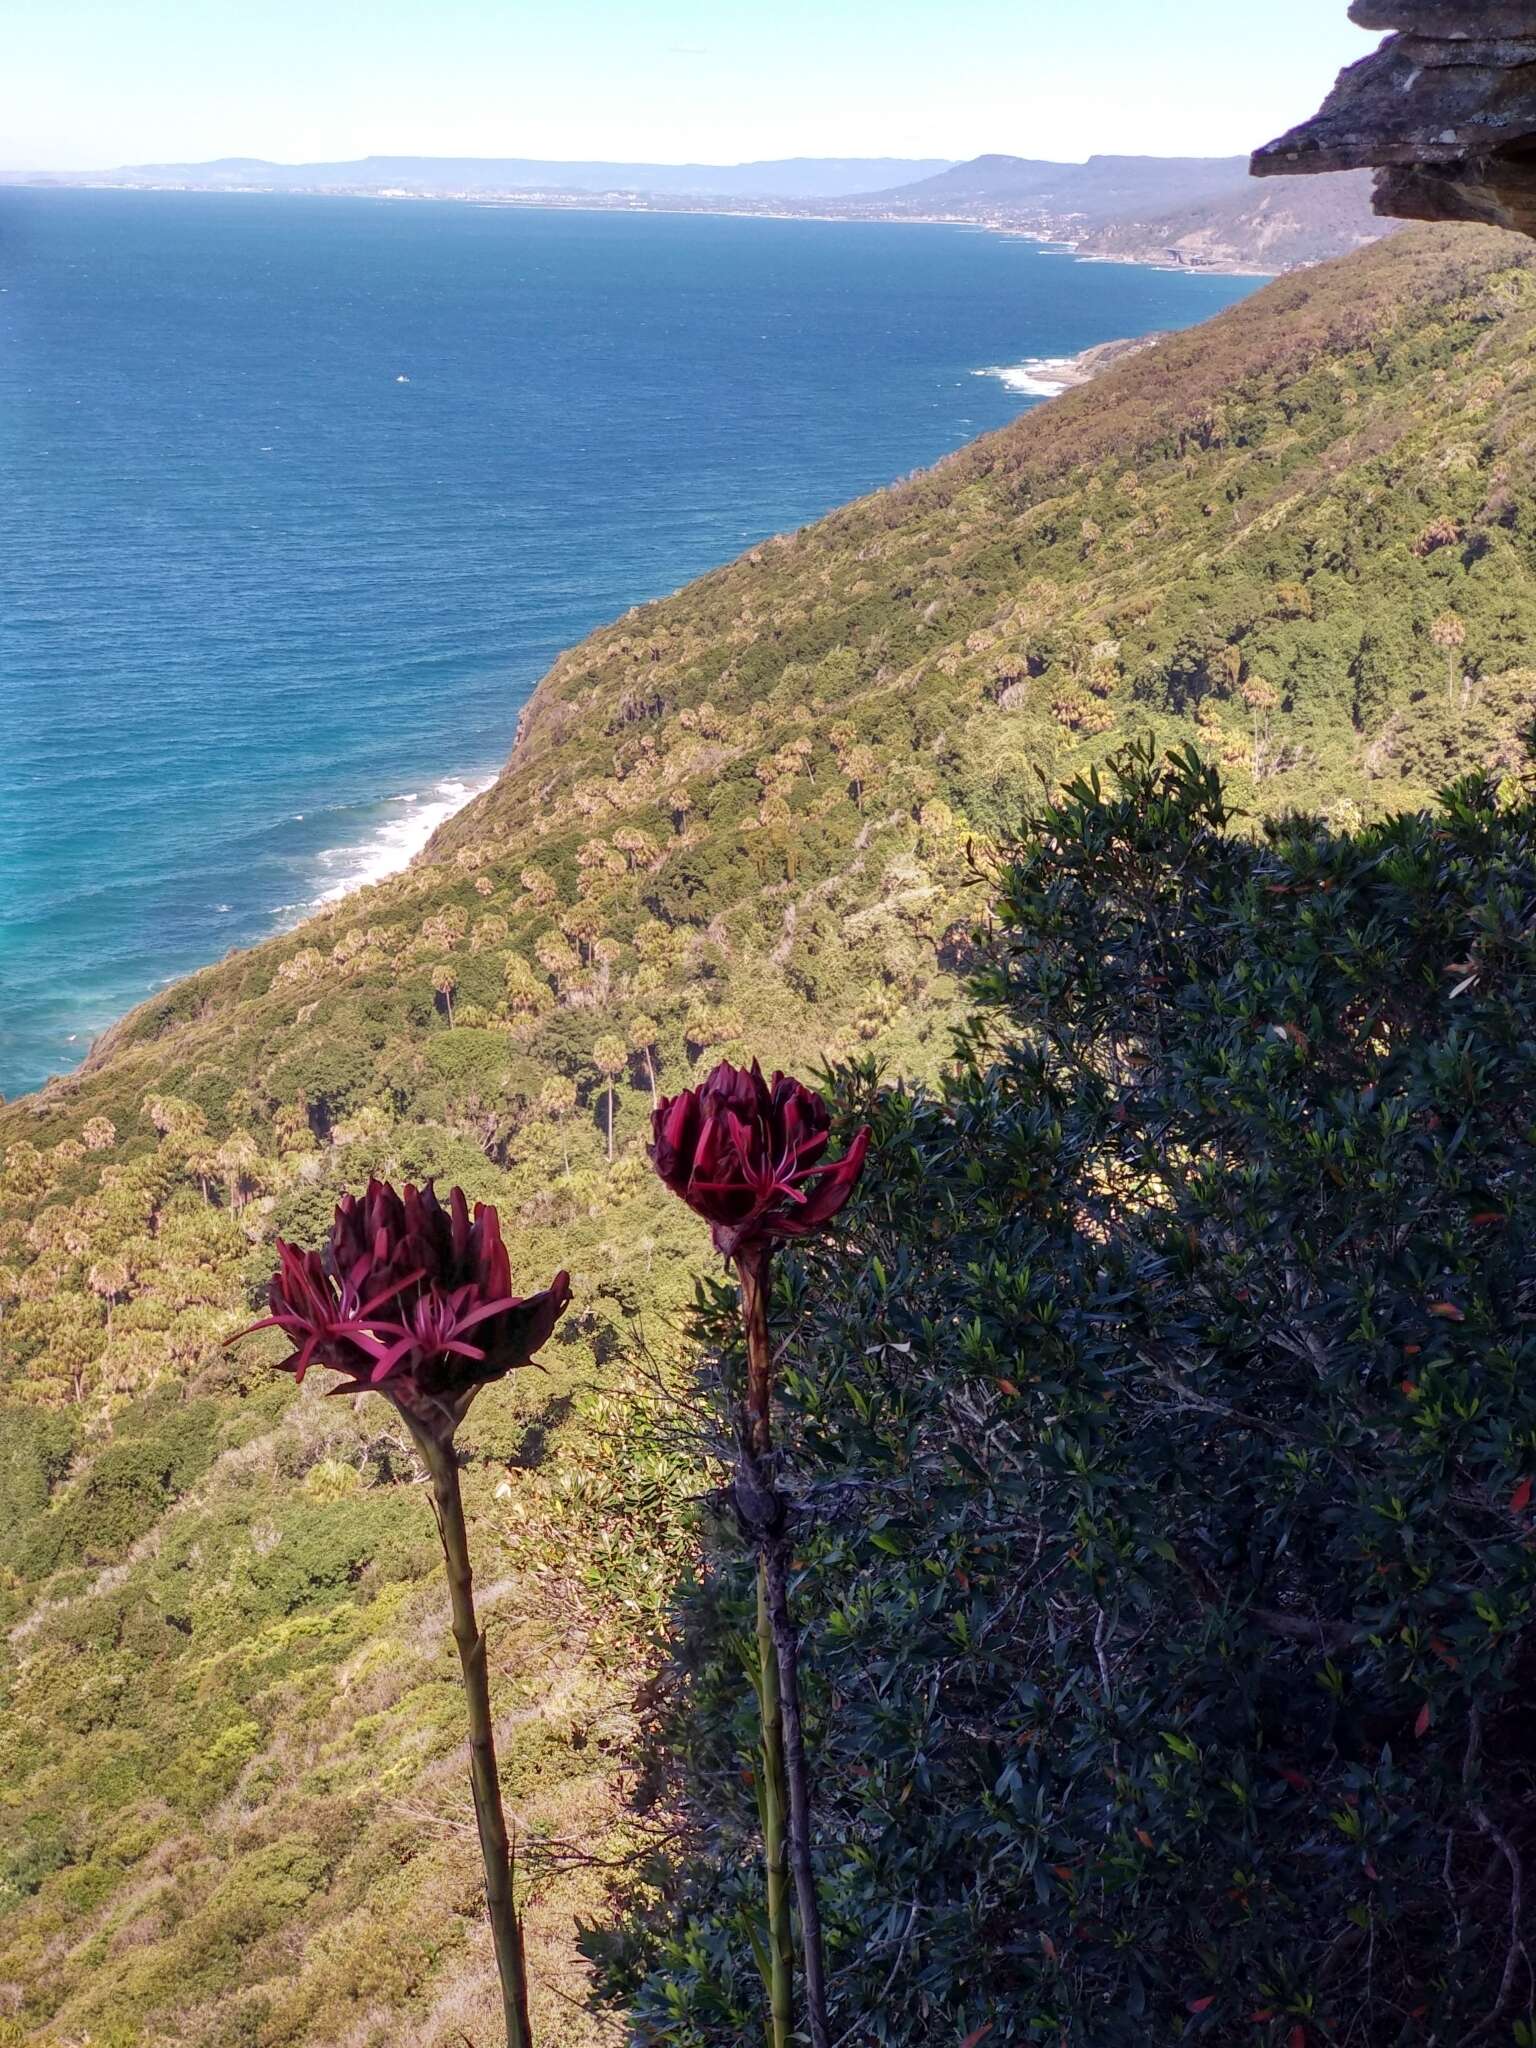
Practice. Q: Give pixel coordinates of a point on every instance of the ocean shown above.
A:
(299, 497)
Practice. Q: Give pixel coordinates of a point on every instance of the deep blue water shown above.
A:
(299, 497)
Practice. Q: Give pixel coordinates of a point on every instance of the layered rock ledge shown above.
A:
(1445, 111)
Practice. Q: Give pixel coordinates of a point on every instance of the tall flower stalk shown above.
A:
(778, 1961)
(414, 1301)
(748, 1155)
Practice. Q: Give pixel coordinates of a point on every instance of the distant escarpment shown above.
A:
(1286, 225)
(1198, 213)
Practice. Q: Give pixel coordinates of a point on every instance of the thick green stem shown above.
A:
(757, 1446)
(781, 1951)
(776, 1575)
(757, 1495)
(495, 1850)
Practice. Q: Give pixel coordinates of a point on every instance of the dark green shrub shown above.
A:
(161, 1448)
(332, 1076)
(36, 1445)
(1171, 1442)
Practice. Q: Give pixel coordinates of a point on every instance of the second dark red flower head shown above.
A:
(748, 1155)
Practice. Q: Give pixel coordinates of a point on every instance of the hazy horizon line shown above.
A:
(938, 161)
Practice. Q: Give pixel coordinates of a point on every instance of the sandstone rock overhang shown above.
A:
(1445, 111)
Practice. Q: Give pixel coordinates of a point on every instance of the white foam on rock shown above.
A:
(395, 842)
(1035, 377)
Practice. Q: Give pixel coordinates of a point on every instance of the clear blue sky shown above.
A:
(94, 83)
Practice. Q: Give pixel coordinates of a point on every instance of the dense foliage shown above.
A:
(735, 823)
(1166, 1439)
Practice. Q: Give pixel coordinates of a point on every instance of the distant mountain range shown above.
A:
(1202, 212)
(806, 177)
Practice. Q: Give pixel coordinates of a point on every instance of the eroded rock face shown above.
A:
(1445, 110)
(1460, 20)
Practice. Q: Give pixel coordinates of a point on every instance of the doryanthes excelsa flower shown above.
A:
(748, 1156)
(414, 1301)
(410, 1300)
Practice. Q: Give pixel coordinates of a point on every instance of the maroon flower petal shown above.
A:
(749, 1156)
(834, 1184)
(410, 1297)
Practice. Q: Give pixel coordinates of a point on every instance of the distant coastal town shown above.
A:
(1198, 215)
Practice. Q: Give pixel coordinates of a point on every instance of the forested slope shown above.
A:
(735, 822)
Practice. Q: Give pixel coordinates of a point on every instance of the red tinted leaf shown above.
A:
(977, 2034)
(1202, 2004)
(1372, 1872)
(1485, 1217)
(1049, 1946)
(1421, 1726)
(1145, 1839)
(1007, 1387)
(1447, 1311)
(1297, 1781)
(1520, 1499)
(1297, 2037)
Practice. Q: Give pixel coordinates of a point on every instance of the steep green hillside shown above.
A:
(231, 1808)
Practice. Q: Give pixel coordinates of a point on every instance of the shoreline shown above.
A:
(395, 843)
(1047, 377)
(1054, 242)
(389, 847)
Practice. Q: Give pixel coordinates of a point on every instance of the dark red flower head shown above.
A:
(747, 1155)
(411, 1300)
